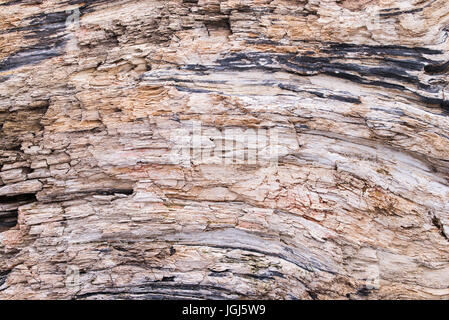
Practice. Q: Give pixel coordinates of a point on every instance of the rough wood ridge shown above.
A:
(99, 99)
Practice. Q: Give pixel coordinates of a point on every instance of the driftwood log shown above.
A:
(270, 149)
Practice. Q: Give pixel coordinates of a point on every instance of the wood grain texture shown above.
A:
(99, 99)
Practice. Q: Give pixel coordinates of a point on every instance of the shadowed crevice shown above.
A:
(8, 220)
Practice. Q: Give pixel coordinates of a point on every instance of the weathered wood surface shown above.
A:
(98, 98)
